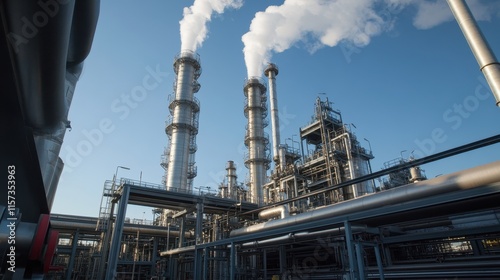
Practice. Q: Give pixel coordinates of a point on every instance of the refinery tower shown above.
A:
(182, 124)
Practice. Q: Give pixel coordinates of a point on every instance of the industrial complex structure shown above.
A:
(316, 214)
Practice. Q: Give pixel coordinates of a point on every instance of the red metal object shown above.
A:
(39, 237)
(51, 248)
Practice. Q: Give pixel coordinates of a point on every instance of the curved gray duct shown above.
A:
(44, 37)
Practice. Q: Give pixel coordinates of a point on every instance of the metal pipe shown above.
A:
(348, 147)
(281, 211)
(176, 251)
(462, 180)
(444, 154)
(301, 236)
(271, 72)
(126, 229)
(485, 57)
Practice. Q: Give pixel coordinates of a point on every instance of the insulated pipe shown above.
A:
(462, 180)
(176, 251)
(485, 57)
(126, 229)
(278, 211)
(300, 236)
(39, 52)
(83, 28)
(271, 72)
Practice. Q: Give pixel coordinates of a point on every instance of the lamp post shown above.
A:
(369, 145)
(116, 173)
(401, 153)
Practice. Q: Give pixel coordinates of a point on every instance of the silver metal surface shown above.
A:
(462, 180)
(183, 126)
(295, 237)
(278, 211)
(126, 229)
(416, 174)
(49, 145)
(271, 72)
(257, 161)
(185, 249)
(231, 179)
(485, 57)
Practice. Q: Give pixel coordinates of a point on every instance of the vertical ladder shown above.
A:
(105, 208)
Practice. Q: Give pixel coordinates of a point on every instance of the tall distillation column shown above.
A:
(256, 140)
(231, 179)
(182, 124)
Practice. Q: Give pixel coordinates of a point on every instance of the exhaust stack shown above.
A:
(231, 179)
(182, 124)
(256, 140)
(486, 59)
(271, 72)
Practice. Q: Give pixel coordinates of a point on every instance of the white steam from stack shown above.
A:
(327, 22)
(182, 125)
(194, 24)
(320, 23)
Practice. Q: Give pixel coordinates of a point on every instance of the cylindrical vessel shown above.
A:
(231, 179)
(183, 124)
(257, 161)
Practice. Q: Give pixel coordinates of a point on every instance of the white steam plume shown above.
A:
(327, 22)
(431, 13)
(193, 25)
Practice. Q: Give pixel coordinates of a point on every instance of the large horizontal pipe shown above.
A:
(417, 162)
(462, 180)
(126, 229)
(471, 263)
(301, 236)
(278, 211)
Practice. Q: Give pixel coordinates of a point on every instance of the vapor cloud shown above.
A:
(193, 26)
(321, 23)
(326, 22)
(431, 13)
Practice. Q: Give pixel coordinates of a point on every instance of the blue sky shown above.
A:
(415, 86)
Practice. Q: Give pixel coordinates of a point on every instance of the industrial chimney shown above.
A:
(231, 179)
(256, 140)
(271, 72)
(182, 124)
